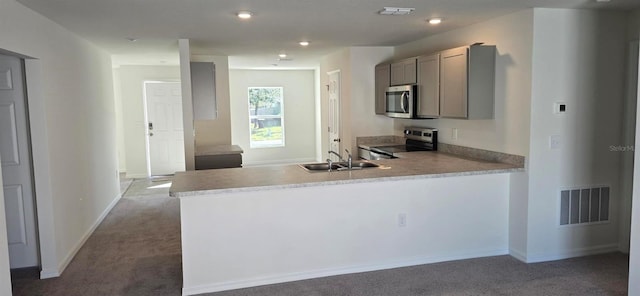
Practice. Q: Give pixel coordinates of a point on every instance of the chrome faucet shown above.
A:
(330, 162)
(337, 154)
(350, 159)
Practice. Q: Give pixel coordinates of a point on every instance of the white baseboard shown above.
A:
(522, 256)
(296, 276)
(578, 252)
(49, 273)
(63, 265)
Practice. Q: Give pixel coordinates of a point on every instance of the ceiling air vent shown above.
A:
(396, 11)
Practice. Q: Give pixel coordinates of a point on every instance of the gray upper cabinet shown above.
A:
(382, 83)
(203, 90)
(403, 72)
(428, 86)
(467, 78)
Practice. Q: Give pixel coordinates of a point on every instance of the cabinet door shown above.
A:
(382, 83)
(429, 86)
(453, 83)
(403, 72)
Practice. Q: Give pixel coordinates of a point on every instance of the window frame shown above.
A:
(255, 144)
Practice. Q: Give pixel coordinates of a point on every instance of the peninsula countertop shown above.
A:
(409, 165)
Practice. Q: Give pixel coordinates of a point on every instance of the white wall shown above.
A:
(120, 131)
(578, 58)
(280, 235)
(299, 114)
(357, 95)
(79, 123)
(361, 117)
(629, 127)
(131, 84)
(634, 256)
(509, 131)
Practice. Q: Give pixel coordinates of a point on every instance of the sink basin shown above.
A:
(337, 166)
(359, 164)
(321, 166)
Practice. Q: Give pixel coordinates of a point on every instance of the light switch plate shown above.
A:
(559, 107)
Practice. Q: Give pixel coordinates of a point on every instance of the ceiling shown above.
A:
(276, 26)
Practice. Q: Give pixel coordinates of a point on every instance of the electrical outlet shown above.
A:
(402, 220)
(454, 134)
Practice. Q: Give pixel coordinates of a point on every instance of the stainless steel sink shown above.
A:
(337, 166)
(360, 164)
(321, 166)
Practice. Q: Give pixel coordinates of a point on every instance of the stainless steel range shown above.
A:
(417, 139)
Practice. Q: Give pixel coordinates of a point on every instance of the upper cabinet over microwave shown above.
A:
(455, 83)
(403, 72)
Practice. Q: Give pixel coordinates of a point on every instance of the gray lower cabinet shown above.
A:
(467, 79)
(428, 86)
(382, 77)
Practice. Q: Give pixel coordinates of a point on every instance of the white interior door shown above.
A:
(334, 113)
(164, 127)
(16, 166)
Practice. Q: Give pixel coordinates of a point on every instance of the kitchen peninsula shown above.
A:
(245, 227)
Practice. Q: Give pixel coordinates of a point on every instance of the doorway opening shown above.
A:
(17, 165)
(164, 130)
(334, 113)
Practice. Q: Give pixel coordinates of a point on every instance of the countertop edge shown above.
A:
(196, 193)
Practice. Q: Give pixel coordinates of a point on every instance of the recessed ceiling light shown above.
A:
(245, 15)
(435, 21)
(396, 11)
(304, 43)
(282, 55)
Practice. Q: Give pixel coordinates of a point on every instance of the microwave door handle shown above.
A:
(406, 100)
(402, 105)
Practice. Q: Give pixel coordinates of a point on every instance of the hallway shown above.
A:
(135, 251)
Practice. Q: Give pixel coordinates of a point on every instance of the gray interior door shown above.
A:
(17, 178)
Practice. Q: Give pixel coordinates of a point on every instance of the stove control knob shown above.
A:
(407, 132)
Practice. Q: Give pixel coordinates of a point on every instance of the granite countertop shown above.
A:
(217, 150)
(409, 165)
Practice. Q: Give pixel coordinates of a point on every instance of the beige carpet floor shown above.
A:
(136, 251)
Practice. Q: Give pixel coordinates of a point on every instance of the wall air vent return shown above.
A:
(584, 205)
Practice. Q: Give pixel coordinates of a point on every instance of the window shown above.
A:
(266, 117)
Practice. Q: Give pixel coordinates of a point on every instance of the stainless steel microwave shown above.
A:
(401, 101)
